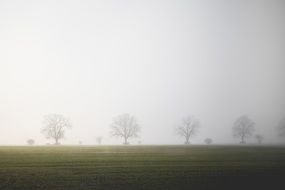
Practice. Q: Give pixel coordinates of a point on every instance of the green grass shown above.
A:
(141, 167)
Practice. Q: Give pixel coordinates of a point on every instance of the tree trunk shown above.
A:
(56, 141)
(242, 140)
(125, 141)
(187, 140)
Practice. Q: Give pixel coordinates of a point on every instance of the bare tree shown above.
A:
(208, 141)
(99, 140)
(281, 128)
(188, 128)
(125, 126)
(31, 142)
(55, 126)
(259, 138)
(243, 128)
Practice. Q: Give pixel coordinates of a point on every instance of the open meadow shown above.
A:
(141, 167)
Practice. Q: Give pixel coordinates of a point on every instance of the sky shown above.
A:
(159, 60)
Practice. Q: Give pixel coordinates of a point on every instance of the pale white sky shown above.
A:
(158, 60)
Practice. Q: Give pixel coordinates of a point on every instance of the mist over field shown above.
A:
(156, 60)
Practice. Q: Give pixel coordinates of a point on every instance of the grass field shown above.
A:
(141, 167)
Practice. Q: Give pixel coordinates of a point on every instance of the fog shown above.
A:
(157, 60)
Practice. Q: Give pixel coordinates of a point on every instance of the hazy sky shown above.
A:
(158, 60)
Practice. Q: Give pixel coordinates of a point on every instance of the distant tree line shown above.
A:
(126, 126)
